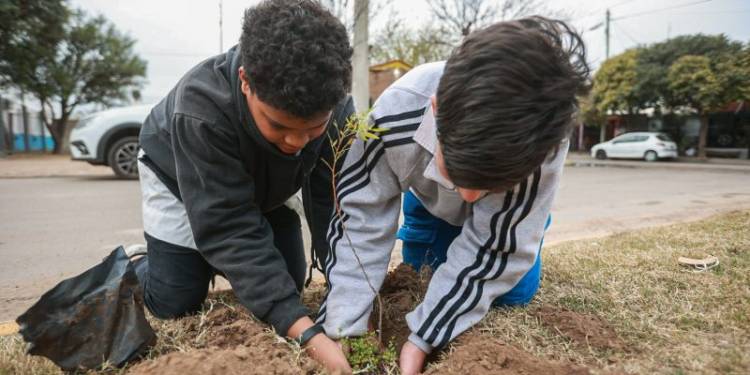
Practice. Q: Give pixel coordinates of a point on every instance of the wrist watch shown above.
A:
(309, 334)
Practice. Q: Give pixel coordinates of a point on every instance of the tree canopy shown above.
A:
(615, 84)
(66, 58)
(699, 72)
(414, 46)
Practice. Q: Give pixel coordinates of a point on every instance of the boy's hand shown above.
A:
(321, 348)
(329, 353)
(412, 359)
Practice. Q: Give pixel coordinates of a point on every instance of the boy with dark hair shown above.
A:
(222, 153)
(479, 142)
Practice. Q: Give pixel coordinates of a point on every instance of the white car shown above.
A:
(649, 146)
(110, 138)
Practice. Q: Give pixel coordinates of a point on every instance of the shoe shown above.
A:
(136, 251)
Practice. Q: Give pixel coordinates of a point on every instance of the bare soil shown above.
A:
(258, 359)
(230, 342)
(401, 292)
(477, 354)
(585, 330)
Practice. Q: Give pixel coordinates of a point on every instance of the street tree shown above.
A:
(615, 86)
(707, 86)
(344, 10)
(92, 63)
(29, 32)
(461, 17)
(615, 82)
(415, 46)
(654, 62)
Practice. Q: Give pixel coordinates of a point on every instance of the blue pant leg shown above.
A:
(524, 291)
(426, 239)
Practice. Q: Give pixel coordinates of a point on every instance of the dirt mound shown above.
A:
(402, 290)
(583, 329)
(240, 360)
(229, 341)
(479, 355)
(228, 327)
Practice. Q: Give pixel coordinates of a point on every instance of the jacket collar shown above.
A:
(426, 136)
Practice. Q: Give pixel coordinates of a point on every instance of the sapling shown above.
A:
(357, 127)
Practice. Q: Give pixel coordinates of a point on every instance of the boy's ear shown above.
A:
(433, 103)
(243, 85)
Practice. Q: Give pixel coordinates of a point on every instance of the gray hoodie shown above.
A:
(501, 232)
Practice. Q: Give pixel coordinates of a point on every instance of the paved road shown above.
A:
(52, 228)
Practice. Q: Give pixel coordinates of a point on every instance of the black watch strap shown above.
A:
(309, 334)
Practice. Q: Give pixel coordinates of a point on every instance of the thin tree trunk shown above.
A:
(58, 133)
(703, 136)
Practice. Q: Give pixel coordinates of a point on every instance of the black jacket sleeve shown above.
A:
(229, 229)
(319, 203)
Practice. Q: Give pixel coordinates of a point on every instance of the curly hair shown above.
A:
(296, 56)
(507, 99)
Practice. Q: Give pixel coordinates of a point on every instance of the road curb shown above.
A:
(659, 165)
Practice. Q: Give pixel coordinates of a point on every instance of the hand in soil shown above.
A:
(329, 353)
(321, 348)
(411, 359)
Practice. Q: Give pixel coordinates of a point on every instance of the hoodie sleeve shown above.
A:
(498, 244)
(229, 229)
(361, 238)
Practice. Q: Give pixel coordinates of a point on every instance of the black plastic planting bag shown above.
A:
(90, 319)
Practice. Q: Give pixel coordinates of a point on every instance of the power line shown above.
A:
(621, 28)
(607, 7)
(661, 9)
(715, 12)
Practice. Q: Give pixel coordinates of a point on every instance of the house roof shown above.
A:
(390, 65)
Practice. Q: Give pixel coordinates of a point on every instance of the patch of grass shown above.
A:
(366, 356)
(671, 319)
(13, 359)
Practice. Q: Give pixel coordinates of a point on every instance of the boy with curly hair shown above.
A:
(477, 143)
(221, 154)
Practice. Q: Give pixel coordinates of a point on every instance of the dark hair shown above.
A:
(296, 56)
(507, 99)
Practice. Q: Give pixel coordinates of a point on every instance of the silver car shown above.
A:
(649, 146)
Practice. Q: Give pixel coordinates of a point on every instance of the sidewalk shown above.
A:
(48, 165)
(577, 159)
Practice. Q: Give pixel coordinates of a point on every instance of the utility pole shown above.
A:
(221, 26)
(360, 60)
(606, 32)
(669, 30)
(603, 131)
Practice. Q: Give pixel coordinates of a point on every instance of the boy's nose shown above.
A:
(297, 140)
(470, 195)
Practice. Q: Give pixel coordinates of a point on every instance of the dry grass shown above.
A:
(671, 320)
(180, 335)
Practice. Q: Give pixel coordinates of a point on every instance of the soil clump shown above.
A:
(482, 355)
(582, 329)
(229, 341)
(401, 292)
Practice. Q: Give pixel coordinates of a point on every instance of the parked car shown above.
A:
(110, 138)
(649, 146)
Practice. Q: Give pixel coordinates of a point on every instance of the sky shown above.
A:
(174, 35)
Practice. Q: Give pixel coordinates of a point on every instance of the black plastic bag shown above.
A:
(90, 319)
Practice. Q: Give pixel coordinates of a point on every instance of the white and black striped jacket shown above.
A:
(498, 244)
